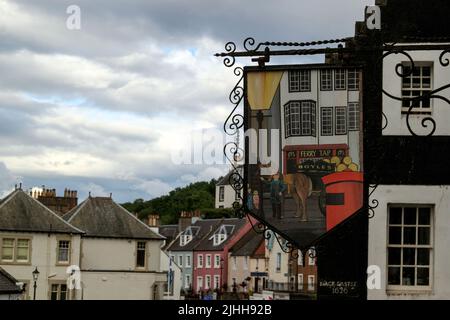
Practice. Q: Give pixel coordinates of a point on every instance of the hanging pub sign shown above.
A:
(303, 154)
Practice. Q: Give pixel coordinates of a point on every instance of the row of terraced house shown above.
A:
(227, 256)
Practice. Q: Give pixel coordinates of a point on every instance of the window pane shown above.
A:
(8, 249)
(423, 276)
(394, 275)
(426, 71)
(409, 235)
(7, 253)
(410, 216)
(395, 235)
(409, 256)
(22, 254)
(63, 292)
(423, 257)
(22, 249)
(395, 215)
(54, 294)
(408, 278)
(424, 216)
(63, 251)
(140, 259)
(394, 256)
(424, 235)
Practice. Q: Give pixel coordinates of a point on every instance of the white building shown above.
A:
(278, 261)
(112, 253)
(225, 194)
(409, 231)
(32, 236)
(428, 75)
(121, 255)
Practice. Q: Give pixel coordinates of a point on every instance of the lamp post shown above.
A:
(35, 274)
(221, 274)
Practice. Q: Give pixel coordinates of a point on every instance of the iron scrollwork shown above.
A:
(427, 121)
(234, 153)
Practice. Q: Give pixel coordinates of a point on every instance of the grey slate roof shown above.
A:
(102, 217)
(206, 226)
(8, 283)
(248, 244)
(170, 232)
(207, 244)
(19, 212)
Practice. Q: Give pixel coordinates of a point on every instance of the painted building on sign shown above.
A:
(311, 115)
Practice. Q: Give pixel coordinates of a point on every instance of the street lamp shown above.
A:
(35, 278)
(221, 272)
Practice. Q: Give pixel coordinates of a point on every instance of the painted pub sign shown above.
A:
(303, 152)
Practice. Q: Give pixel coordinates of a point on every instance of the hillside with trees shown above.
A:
(195, 196)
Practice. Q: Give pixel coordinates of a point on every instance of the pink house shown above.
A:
(211, 254)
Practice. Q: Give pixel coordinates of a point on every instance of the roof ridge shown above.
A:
(139, 221)
(76, 210)
(46, 208)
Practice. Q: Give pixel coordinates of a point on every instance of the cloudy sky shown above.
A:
(102, 108)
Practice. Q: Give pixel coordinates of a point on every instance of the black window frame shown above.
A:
(358, 117)
(308, 72)
(313, 119)
(336, 88)
(321, 121)
(330, 88)
(357, 79)
(336, 119)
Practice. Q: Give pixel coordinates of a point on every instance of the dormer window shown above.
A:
(221, 234)
(188, 235)
(185, 239)
(219, 238)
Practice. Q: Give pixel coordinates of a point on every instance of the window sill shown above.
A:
(62, 264)
(408, 292)
(15, 263)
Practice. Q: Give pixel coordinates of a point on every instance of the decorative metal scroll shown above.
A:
(427, 121)
(235, 121)
(233, 152)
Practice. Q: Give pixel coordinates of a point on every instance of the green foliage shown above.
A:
(195, 196)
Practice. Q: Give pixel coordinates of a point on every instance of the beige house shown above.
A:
(33, 237)
(246, 265)
(120, 255)
(278, 262)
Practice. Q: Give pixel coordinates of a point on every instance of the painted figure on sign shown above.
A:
(255, 199)
(277, 187)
